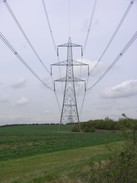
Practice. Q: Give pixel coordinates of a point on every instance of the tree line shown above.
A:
(107, 124)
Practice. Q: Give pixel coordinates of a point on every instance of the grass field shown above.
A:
(38, 153)
(22, 141)
(62, 166)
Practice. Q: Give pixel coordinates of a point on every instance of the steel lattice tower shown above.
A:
(69, 112)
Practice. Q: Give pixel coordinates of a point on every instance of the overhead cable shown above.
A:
(82, 103)
(85, 44)
(130, 42)
(114, 34)
(25, 35)
(90, 23)
(87, 35)
(49, 25)
(51, 33)
(106, 48)
(57, 100)
(55, 47)
(7, 43)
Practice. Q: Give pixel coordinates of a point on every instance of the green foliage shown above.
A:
(121, 167)
(109, 124)
(75, 128)
(89, 127)
(128, 123)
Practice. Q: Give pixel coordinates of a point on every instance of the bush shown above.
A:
(88, 126)
(75, 128)
(121, 167)
(89, 129)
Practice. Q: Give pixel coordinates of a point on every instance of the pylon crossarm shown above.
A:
(62, 63)
(64, 79)
(77, 63)
(69, 45)
(65, 63)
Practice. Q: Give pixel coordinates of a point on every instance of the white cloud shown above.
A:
(96, 71)
(19, 84)
(124, 89)
(22, 101)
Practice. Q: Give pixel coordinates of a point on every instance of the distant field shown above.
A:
(28, 140)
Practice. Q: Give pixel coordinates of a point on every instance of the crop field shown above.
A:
(38, 153)
(21, 141)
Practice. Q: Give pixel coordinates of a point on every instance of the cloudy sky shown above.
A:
(23, 99)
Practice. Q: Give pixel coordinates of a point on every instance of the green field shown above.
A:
(38, 153)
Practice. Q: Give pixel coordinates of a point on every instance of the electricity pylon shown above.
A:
(69, 112)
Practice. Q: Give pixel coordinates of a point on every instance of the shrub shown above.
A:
(121, 167)
(75, 128)
(89, 129)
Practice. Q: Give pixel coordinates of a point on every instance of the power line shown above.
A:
(57, 100)
(86, 40)
(114, 34)
(51, 33)
(54, 44)
(27, 39)
(134, 37)
(8, 44)
(90, 23)
(85, 44)
(69, 31)
(82, 103)
(49, 25)
(24, 34)
(106, 48)
(130, 42)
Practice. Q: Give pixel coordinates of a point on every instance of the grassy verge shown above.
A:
(56, 167)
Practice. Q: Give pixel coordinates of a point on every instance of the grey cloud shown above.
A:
(15, 120)
(47, 112)
(124, 89)
(4, 99)
(19, 84)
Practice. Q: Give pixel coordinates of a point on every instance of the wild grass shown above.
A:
(69, 166)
